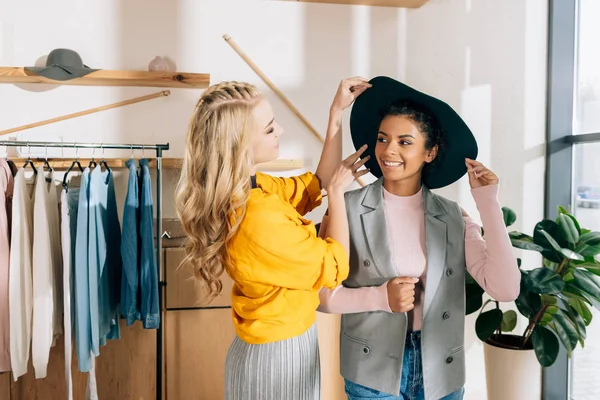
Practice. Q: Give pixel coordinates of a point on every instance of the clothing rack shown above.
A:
(159, 149)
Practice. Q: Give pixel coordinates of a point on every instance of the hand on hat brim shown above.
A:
(479, 174)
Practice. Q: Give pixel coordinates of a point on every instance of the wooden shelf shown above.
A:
(168, 163)
(382, 3)
(113, 78)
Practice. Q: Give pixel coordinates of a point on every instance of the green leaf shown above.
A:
(550, 227)
(577, 321)
(581, 308)
(487, 323)
(569, 277)
(562, 210)
(550, 247)
(551, 240)
(594, 268)
(590, 238)
(549, 300)
(589, 244)
(566, 332)
(567, 228)
(584, 231)
(589, 251)
(550, 264)
(519, 262)
(544, 281)
(523, 241)
(552, 310)
(509, 321)
(572, 290)
(570, 254)
(546, 317)
(474, 297)
(545, 345)
(528, 303)
(588, 283)
(509, 216)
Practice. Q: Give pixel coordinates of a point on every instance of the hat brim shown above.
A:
(365, 119)
(60, 73)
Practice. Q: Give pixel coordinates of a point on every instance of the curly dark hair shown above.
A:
(426, 122)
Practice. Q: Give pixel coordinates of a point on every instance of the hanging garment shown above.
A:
(6, 192)
(105, 255)
(81, 288)
(13, 167)
(130, 248)
(149, 306)
(47, 267)
(82, 282)
(69, 203)
(20, 280)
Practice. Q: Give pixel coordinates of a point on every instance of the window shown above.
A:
(573, 163)
(587, 68)
(585, 364)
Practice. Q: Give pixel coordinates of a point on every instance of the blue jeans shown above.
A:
(411, 386)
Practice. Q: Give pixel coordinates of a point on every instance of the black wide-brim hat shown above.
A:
(366, 117)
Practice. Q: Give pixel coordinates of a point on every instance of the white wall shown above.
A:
(486, 58)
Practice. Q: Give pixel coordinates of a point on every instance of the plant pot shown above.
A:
(511, 373)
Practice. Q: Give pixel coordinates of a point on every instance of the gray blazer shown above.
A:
(372, 343)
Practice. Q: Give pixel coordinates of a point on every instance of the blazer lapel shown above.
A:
(435, 242)
(375, 230)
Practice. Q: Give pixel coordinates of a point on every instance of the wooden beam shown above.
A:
(87, 112)
(15, 75)
(381, 3)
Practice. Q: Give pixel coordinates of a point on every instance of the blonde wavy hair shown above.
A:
(215, 179)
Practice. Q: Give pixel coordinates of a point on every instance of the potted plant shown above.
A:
(555, 299)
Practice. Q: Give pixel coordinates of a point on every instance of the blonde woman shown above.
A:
(250, 224)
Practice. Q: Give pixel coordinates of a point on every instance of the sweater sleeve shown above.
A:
(294, 256)
(344, 300)
(303, 192)
(491, 261)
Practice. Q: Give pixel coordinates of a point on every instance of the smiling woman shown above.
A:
(408, 141)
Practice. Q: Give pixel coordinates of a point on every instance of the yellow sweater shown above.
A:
(278, 262)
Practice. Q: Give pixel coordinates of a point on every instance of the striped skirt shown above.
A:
(284, 370)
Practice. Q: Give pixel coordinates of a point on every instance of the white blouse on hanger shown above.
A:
(47, 273)
(20, 279)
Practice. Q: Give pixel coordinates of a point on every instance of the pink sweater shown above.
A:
(491, 261)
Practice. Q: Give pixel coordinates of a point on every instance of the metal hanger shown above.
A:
(103, 161)
(73, 164)
(93, 162)
(47, 165)
(28, 160)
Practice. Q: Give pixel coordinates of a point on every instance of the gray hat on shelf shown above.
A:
(62, 65)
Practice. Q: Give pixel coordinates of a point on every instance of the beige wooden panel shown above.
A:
(183, 291)
(5, 378)
(197, 344)
(125, 370)
(332, 384)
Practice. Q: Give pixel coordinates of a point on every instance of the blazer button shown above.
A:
(446, 315)
(366, 350)
(449, 360)
(449, 272)
(366, 263)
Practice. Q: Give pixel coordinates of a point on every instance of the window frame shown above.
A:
(562, 62)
